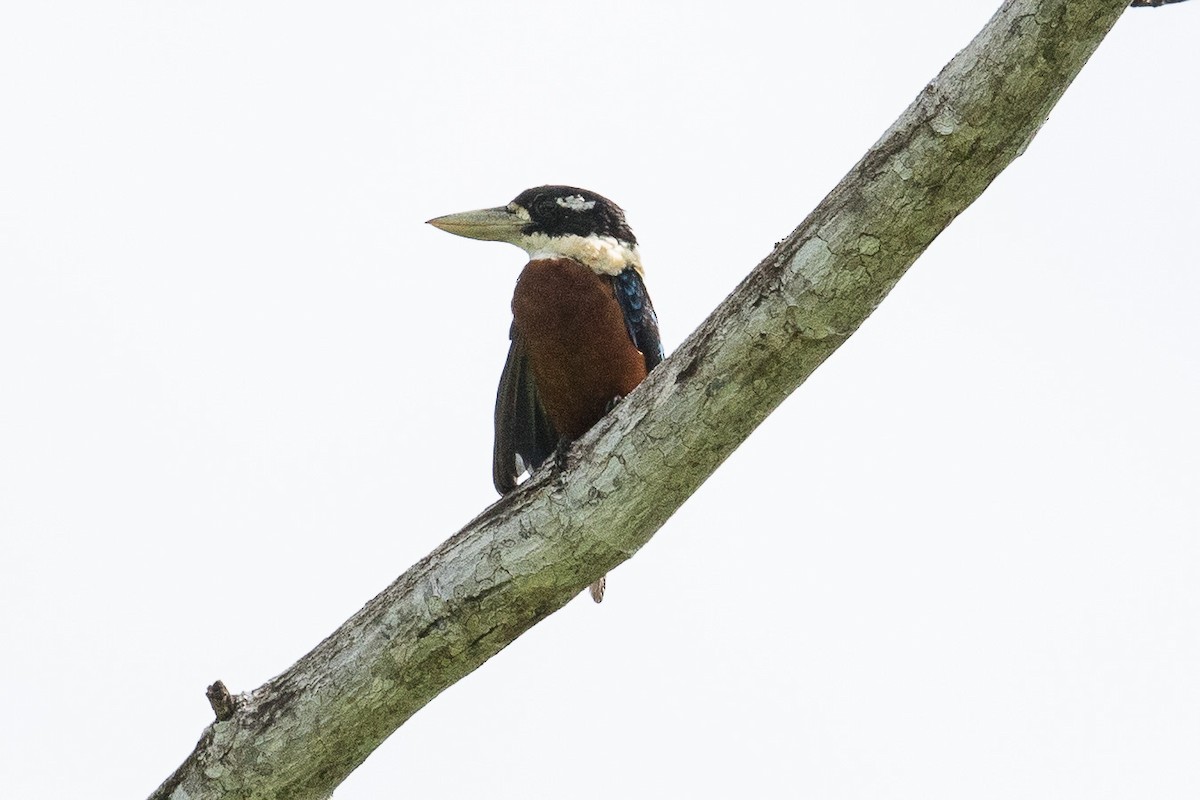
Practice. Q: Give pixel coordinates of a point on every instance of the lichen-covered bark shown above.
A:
(302, 733)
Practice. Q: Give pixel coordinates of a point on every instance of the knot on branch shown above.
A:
(221, 700)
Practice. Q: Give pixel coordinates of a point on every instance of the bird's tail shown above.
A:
(597, 589)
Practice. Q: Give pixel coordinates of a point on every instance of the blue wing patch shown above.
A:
(640, 319)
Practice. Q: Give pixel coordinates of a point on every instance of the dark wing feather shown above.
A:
(522, 429)
(640, 319)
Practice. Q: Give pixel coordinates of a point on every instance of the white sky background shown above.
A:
(243, 387)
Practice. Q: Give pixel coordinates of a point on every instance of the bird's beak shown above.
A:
(489, 224)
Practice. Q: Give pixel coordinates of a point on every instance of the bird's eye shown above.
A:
(545, 206)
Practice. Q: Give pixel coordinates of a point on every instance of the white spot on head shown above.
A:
(575, 202)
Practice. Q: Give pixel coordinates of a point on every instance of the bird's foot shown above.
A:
(561, 451)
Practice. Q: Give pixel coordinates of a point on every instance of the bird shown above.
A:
(583, 333)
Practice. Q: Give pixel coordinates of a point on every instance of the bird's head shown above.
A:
(555, 222)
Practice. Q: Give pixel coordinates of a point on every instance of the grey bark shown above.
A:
(299, 735)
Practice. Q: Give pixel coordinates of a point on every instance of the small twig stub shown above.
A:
(221, 700)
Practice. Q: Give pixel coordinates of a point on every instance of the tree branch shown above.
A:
(1152, 3)
(299, 735)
